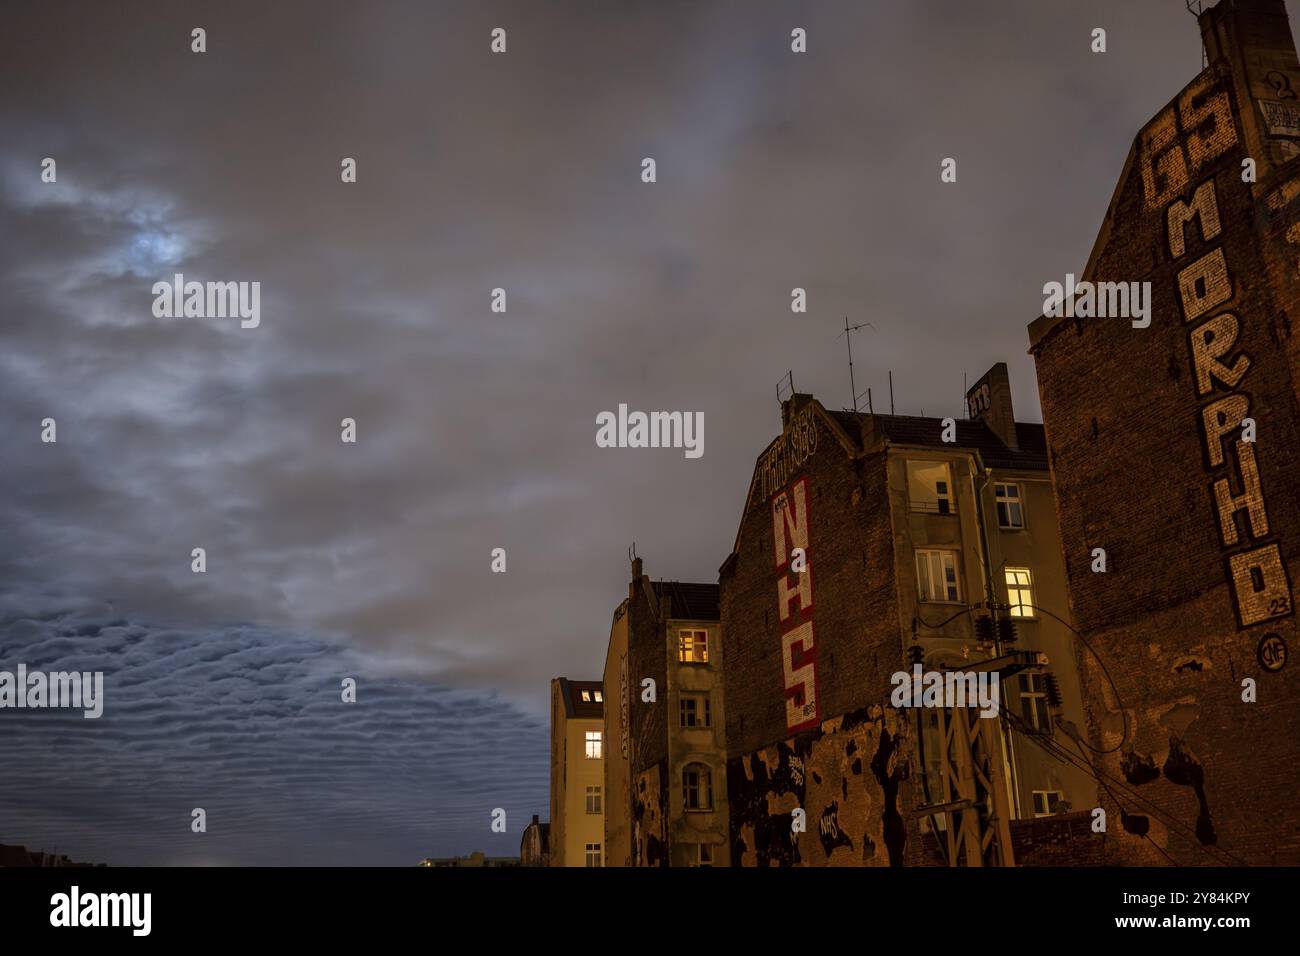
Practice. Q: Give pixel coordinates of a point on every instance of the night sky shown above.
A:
(475, 429)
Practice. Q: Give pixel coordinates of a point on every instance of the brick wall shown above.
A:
(1199, 770)
(848, 771)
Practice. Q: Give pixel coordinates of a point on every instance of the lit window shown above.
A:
(1033, 704)
(703, 855)
(936, 573)
(598, 696)
(593, 854)
(1020, 592)
(697, 787)
(593, 799)
(929, 487)
(593, 745)
(586, 697)
(693, 646)
(1010, 512)
(695, 710)
(1044, 800)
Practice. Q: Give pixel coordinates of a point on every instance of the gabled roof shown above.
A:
(688, 602)
(916, 431)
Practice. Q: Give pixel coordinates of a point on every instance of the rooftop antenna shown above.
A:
(891, 391)
(1194, 8)
(631, 553)
(785, 387)
(848, 339)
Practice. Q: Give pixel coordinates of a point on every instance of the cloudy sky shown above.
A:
(475, 429)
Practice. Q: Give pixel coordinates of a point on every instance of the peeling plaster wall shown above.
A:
(649, 830)
(845, 776)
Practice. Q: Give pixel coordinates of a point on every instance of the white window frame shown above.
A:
(703, 711)
(1008, 502)
(1047, 801)
(697, 639)
(703, 850)
(593, 850)
(594, 800)
(1033, 702)
(595, 737)
(1020, 592)
(703, 788)
(927, 563)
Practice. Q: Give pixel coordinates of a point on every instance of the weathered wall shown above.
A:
(649, 817)
(851, 603)
(845, 775)
(619, 687)
(707, 746)
(1180, 612)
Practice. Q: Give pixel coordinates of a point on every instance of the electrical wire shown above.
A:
(1113, 686)
(1054, 750)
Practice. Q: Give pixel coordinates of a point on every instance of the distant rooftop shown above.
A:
(689, 602)
(972, 435)
(582, 698)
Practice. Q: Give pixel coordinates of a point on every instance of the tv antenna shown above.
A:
(848, 340)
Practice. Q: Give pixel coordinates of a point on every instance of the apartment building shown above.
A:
(869, 543)
(577, 825)
(666, 772)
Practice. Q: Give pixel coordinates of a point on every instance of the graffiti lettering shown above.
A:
(1261, 586)
(794, 603)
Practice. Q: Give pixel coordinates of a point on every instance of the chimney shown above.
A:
(1253, 37)
(636, 579)
(792, 406)
(535, 820)
(989, 401)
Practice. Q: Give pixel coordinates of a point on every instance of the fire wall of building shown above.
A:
(647, 727)
(1177, 626)
(618, 686)
(848, 768)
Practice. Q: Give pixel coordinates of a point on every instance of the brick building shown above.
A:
(1173, 451)
(665, 774)
(863, 536)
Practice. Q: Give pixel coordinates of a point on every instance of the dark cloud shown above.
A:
(477, 429)
(249, 724)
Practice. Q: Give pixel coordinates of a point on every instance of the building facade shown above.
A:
(867, 543)
(577, 773)
(1173, 446)
(666, 774)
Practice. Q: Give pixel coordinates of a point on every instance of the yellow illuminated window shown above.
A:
(1020, 592)
(693, 646)
(593, 745)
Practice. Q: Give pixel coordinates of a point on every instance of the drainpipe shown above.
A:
(986, 562)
